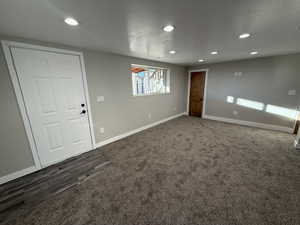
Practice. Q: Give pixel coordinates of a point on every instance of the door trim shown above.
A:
(18, 91)
(189, 87)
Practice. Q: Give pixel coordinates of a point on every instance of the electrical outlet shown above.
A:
(174, 108)
(149, 116)
(102, 130)
(235, 112)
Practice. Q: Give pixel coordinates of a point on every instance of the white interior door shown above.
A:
(53, 91)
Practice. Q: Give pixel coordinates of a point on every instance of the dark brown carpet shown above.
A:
(186, 171)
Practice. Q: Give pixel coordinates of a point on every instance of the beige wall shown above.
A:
(108, 75)
(265, 80)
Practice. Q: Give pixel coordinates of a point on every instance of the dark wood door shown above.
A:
(297, 125)
(197, 93)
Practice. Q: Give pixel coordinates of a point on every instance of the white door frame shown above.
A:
(18, 91)
(189, 87)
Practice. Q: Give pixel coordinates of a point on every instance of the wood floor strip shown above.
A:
(53, 180)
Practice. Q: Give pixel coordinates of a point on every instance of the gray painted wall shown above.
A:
(108, 75)
(15, 153)
(265, 80)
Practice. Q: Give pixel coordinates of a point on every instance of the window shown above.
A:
(148, 80)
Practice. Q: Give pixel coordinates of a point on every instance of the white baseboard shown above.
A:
(250, 124)
(17, 174)
(32, 169)
(113, 139)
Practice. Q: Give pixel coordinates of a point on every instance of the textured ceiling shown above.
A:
(134, 27)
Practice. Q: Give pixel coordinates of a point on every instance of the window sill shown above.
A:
(145, 95)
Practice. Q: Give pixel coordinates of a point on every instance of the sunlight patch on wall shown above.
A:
(250, 104)
(273, 109)
(281, 111)
(230, 99)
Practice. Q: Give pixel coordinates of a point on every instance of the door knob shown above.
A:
(83, 112)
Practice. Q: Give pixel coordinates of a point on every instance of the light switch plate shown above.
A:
(100, 98)
(238, 74)
(292, 92)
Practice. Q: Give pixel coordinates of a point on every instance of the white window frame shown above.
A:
(154, 67)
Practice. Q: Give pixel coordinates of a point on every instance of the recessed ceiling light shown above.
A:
(172, 52)
(214, 53)
(71, 21)
(169, 28)
(254, 53)
(201, 60)
(245, 35)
